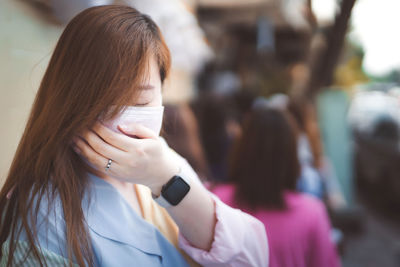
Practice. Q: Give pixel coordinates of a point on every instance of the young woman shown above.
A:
(264, 172)
(80, 189)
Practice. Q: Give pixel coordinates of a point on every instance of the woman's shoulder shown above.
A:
(46, 220)
(23, 256)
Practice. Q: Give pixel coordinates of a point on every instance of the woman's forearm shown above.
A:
(195, 217)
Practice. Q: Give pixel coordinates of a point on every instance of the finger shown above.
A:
(117, 140)
(97, 161)
(137, 130)
(102, 147)
(89, 154)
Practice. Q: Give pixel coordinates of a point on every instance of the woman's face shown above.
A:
(150, 95)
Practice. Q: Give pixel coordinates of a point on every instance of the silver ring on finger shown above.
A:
(108, 164)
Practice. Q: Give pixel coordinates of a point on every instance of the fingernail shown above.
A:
(124, 127)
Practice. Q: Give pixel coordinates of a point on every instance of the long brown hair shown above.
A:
(99, 62)
(264, 162)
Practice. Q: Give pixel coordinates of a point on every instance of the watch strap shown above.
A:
(160, 200)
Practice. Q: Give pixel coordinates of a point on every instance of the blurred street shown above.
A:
(377, 245)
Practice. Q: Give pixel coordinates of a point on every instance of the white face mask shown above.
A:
(150, 117)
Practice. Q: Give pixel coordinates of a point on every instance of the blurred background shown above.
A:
(334, 65)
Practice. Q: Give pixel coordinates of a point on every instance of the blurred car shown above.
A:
(375, 118)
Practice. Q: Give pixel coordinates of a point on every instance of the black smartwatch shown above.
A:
(173, 191)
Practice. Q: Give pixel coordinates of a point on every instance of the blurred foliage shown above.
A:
(349, 72)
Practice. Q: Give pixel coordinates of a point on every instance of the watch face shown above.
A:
(175, 190)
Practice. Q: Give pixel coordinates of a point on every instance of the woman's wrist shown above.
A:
(166, 174)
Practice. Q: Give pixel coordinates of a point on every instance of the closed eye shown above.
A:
(141, 104)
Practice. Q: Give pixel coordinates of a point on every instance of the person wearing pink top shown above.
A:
(264, 170)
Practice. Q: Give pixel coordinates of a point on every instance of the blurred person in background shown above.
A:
(92, 184)
(219, 109)
(217, 125)
(181, 131)
(263, 174)
(309, 147)
(317, 176)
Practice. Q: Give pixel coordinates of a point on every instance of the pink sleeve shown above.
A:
(240, 240)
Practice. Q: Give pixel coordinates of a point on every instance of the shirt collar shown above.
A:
(109, 215)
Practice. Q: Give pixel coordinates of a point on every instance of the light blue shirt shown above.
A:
(119, 236)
